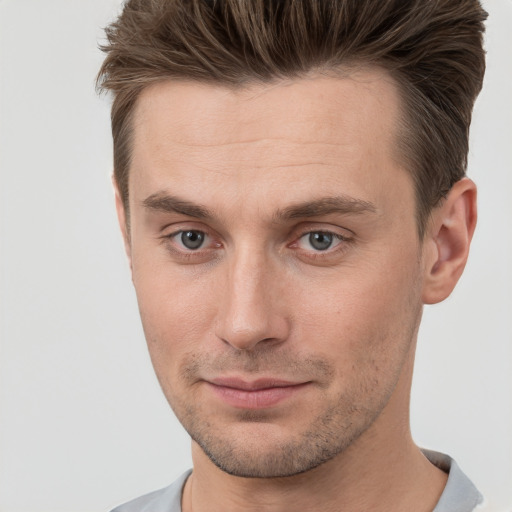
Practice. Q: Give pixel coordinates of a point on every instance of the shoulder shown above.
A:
(460, 494)
(140, 503)
(167, 499)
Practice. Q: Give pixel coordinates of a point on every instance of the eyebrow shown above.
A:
(324, 206)
(165, 203)
(344, 205)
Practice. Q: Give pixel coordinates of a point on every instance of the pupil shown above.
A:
(192, 239)
(320, 241)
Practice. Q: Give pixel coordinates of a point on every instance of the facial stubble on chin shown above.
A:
(264, 452)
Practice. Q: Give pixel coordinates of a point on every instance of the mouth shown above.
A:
(258, 394)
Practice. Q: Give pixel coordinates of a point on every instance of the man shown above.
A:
(290, 187)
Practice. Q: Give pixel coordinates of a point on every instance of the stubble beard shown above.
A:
(326, 438)
(256, 451)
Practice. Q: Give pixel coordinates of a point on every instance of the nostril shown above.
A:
(251, 344)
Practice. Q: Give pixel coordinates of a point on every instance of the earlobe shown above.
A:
(447, 241)
(122, 219)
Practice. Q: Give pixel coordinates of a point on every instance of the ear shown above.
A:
(447, 241)
(122, 219)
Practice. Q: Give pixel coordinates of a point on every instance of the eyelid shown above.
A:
(335, 236)
(337, 231)
(170, 232)
(337, 240)
(344, 236)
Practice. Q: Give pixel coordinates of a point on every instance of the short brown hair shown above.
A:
(432, 48)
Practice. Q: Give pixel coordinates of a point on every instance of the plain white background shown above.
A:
(83, 424)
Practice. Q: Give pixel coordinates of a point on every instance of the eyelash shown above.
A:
(329, 251)
(204, 253)
(182, 252)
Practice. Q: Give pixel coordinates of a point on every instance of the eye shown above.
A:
(319, 240)
(190, 239)
(192, 246)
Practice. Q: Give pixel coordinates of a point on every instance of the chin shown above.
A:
(256, 449)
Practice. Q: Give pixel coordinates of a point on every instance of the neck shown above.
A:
(382, 470)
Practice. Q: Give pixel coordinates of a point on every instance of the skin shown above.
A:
(255, 172)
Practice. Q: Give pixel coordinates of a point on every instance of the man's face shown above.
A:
(276, 262)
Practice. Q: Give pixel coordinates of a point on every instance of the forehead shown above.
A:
(330, 109)
(327, 133)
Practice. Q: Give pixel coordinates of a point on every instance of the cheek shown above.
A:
(366, 313)
(174, 313)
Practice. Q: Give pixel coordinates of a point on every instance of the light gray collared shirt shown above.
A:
(459, 495)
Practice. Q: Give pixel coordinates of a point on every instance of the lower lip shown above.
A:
(256, 398)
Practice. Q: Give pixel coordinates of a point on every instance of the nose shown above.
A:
(250, 310)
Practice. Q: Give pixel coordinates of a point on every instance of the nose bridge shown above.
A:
(248, 313)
